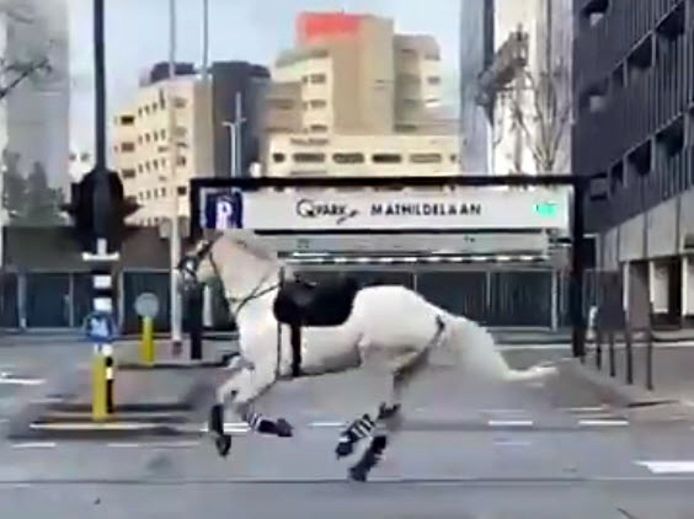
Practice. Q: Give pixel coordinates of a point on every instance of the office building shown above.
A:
(633, 135)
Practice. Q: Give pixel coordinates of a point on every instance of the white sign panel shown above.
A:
(462, 208)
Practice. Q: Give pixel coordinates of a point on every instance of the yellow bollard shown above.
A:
(99, 390)
(147, 355)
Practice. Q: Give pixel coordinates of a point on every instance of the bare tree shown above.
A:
(16, 72)
(543, 116)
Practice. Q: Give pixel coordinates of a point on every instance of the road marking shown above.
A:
(124, 445)
(34, 445)
(586, 409)
(73, 426)
(11, 381)
(510, 423)
(327, 424)
(668, 467)
(513, 443)
(172, 445)
(504, 411)
(603, 423)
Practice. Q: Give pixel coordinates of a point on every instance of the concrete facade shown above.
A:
(140, 140)
(633, 136)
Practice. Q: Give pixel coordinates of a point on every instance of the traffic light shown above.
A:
(98, 209)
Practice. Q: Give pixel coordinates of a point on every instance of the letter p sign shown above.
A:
(224, 212)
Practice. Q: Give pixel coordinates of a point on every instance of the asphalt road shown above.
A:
(466, 450)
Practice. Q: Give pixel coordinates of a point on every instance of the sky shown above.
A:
(254, 30)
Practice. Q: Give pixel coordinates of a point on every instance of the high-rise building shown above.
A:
(37, 109)
(141, 139)
(476, 54)
(238, 86)
(350, 98)
(527, 87)
(634, 136)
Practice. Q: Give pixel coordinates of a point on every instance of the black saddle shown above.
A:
(300, 303)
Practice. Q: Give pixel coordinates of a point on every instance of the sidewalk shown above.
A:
(673, 373)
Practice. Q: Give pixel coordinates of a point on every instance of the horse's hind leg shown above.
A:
(389, 418)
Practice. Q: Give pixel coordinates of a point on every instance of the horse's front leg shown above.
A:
(243, 388)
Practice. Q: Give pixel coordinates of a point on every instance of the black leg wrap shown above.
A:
(217, 419)
(369, 460)
(223, 444)
(280, 427)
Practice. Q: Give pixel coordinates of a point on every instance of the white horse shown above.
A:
(386, 329)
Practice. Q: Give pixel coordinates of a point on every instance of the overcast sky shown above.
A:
(253, 30)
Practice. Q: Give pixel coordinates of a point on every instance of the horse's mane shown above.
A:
(252, 244)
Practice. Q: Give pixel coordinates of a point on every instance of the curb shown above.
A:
(614, 391)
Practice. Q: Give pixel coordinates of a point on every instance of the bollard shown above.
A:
(613, 361)
(630, 356)
(99, 386)
(110, 370)
(147, 348)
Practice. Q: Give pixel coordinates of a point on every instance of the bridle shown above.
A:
(189, 267)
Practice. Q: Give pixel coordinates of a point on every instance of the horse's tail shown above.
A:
(477, 352)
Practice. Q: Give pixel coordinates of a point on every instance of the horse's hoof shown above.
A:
(344, 448)
(223, 444)
(283, 428)
(357, 474)
(386, 413)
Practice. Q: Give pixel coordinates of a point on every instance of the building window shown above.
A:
(127, 173)
(304, 80)
(149, 195)
(312, 158)
(139, 139)
(432, 56)
(318, 103)
(162, 192)
(140, 168)
(146, 110)
(434, 80)
(162, 99)
(386, 158)
(155, 164)
(180, 102)
(182, 190)
(348, 158)
(278, 158)
(162, 134)
(593, 12)
(281, 104)
(155, 136)
(139, 112)
(411, 79)
(426, 158)
(147, 137)
(318, 79)
(616, 177)
(406, 128)
(318, 128)
(182, 161)
(454, 158)
(127, 120)
(148, 166)
(181, 131)
(408, 52)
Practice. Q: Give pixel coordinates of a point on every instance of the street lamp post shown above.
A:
(235, 143)
(175, 239)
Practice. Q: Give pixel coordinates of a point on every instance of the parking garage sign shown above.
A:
(411, 210)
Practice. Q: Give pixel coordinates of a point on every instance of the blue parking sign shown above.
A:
(224, 211)
(100, 327)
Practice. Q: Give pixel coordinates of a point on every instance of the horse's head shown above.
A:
(238, 257)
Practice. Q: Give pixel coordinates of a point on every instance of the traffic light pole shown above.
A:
(102, 262)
